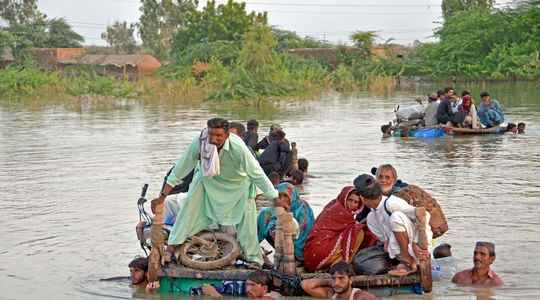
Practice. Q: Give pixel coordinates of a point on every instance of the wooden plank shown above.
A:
(424, 262)
(360, 281)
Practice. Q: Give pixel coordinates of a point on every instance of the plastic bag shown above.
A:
(372, 261)
(410, 112)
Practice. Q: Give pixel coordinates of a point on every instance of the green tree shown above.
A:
(451, 7)
(363, 40)
(120, 37)
(20, 12)
(61, 35)
(159, 20)
(224, 22)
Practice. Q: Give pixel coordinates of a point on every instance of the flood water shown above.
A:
(70, 175)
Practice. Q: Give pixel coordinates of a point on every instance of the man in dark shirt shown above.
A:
(444, 111)
(251, 137)
(276, 156)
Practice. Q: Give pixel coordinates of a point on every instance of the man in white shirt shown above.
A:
(392, 220)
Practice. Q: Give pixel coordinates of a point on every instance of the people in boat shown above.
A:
(443, 265)
(339, 287)
(336, 235)
(222, 190)
(490, 111)
(521, 127)
(481, 274)
(251, 138)
(392, 220)
(277, 155)
(445, 114)
(466, 115)
(430, 113)
(302, 213)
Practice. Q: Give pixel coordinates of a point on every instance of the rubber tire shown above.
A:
(227, 260)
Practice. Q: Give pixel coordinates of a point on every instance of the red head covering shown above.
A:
(335, 227)
(466, 103)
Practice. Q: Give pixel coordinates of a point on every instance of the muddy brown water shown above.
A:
(70, 175)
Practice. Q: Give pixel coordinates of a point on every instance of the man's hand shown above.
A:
(209, 290)
(420, 253)
(155, 202)
(152, 286)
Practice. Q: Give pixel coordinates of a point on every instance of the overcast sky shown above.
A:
(402, 20)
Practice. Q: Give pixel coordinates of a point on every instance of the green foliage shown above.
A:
(24, 80)
(159, 20)
(481, 44)
(120, 37)
(290, 40)
(86, 82)
(452, 7)
(27, 80)
(23, 12)
(224, 22)
(225, 51)
(60, 35)
(363, 40)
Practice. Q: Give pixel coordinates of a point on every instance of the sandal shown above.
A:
(403, 269)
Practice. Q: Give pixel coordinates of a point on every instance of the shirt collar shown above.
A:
(226, 145)
(381, 204)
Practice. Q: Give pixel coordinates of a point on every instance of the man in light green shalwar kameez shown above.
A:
(225, 199)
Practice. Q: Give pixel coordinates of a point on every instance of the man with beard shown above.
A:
(223, 188)
(481, 274)
(387, 178)
(339, 287)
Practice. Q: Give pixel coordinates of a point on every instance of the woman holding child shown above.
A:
(302, 214)
(337, 236)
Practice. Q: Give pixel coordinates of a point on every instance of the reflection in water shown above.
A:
(70, 177)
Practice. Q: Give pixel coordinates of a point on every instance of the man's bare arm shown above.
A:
(318, 288)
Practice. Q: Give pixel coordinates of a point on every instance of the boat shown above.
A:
(286, 276)
(440, 131)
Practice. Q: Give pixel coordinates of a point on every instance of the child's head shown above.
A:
(274, 177)
(297, 177)
(521, 127)
(443, 250)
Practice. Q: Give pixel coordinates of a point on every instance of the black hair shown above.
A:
(239, 127)
(488, 245)
(484, 94)
(303, 164)
(218, 123)
(260, 277)
(342, 267)
(465, 93)
(510, 126)
(440, 93)
(297, 176)
(277, 135)
(140, 263)
(367, 186)
(274, 177)
(252, 124)
(521, 124)
(443, 250)
(448, 89)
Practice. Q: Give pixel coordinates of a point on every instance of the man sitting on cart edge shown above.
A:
(223, 188)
